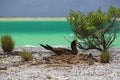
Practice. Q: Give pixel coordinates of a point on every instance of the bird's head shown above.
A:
(75, 42)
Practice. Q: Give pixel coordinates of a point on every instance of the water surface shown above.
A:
(33, 32)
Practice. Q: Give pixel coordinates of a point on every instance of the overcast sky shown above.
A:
(51, 7)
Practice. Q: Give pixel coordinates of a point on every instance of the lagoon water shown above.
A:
(33, 32)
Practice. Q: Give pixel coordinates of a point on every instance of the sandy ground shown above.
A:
(27, 71)
(33, 18)
(72, 72)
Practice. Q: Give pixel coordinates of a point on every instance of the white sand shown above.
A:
(33, 18)
(74, 72)
(98, 71)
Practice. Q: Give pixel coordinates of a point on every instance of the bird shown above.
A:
(60, 51)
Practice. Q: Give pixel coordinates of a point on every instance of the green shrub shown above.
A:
(27, 56)
(105, 56)
(98, 29)
(7, 43)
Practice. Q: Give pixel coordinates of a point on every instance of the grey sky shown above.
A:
(51, 7)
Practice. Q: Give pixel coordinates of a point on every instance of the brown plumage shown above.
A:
(60, 51)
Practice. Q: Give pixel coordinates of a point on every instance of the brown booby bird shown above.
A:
(60, 51)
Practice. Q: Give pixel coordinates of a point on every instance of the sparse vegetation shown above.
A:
(7, 43)
(105, 56)
(49, 77)
(4, 59)
(27, 56)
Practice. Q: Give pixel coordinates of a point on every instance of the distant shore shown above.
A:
(33, 18)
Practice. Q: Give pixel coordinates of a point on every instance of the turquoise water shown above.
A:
(35, 32)
(44, 32)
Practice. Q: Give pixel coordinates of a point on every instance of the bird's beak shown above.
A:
(79, 41)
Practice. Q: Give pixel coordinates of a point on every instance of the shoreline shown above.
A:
(33, 19)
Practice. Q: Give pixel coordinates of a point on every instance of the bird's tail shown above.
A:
(46, 47)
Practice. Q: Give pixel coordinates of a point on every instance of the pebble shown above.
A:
(74, 72)
(98, 71)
